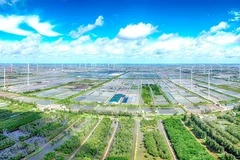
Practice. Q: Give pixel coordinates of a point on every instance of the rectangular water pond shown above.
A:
(116, 98)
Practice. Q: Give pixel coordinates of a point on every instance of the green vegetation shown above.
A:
(201, 103)
(134, 87)
(117, 158)
(5, 143)
(158, 91)
(147, 125)
(48, 127)
(154, 141)
(74, 141)
(213, 145)
(230, 88)
(146, 94)
(222, 132)
(227, 156)
(184, 143)
(17, 114)
(156, 145)
(219, 138)
(96, 144)
(53, 156)
(2, 137)
(17, 120)
(155, 89)
(121, 148)
(234, 130)
(225, 102)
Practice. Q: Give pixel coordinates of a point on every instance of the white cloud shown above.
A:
(137, 31)
(2, 2)
(10, 24)
(167, 36)
(44, 28)
(236, 16)
(8, 2)
(83, 29)
(207, 47)
(238, 29)
(219, 27)
(222, 38)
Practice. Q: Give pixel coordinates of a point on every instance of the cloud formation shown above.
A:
(8, 2)
(84, 29)
(219, 27)
(236, 16)
(217, 44)
(137, 31)
(44, 28)
(10, 24)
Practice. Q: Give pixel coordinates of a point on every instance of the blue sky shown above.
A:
(107, 31)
